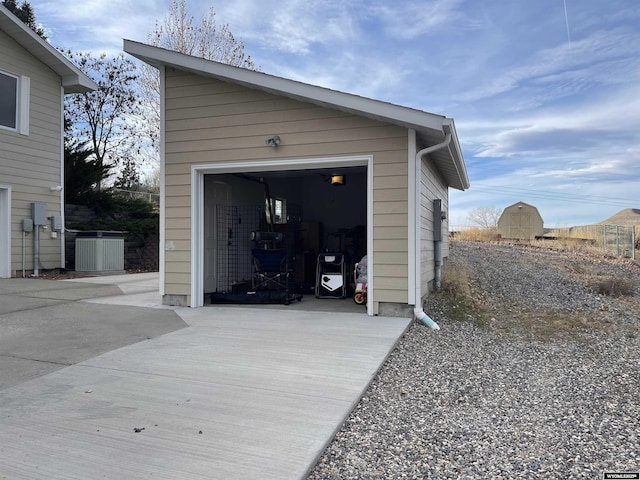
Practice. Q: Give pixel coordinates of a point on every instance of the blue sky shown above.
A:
(545, 94)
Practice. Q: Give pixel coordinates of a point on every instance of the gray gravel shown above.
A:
(543, 384)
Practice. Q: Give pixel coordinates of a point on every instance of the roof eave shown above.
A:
(429, 124)
(457, 157)
(78, 84)
(72, 78)
(321, 96)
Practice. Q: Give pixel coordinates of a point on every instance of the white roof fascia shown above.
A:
(73, 79)
(378, 110)
(456, 154)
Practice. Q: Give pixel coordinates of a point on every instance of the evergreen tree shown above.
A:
(82, 174)
(129, 178)
(25, 13)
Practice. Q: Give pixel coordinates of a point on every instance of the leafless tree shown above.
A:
(102, 119)
(484, 217)
(180, 32)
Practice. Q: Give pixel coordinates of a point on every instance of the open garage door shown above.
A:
(294, 213)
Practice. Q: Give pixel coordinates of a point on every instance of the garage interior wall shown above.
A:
(209, 121)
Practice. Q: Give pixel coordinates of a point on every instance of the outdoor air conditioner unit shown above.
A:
(100, 252)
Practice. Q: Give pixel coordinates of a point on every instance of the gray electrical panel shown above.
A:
(27, 225)
(39, 213)
(437, 220)
(56, 223)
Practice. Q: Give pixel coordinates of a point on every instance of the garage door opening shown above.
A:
(313, 223)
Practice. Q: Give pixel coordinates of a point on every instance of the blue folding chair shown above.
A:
(271, 269)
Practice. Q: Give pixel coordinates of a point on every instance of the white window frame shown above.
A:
(5, 231)
(23, 88)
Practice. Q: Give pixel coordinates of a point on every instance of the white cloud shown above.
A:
(411, 19)
(594, 129)
(364, 76)
(603, 58)
(565, 201)
(97, 25)
(535, 114)
(291, 26)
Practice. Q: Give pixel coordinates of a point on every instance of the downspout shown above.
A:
(418, 311)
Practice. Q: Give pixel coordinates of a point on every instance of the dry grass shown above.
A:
(545, 325)
(466, 301)
(463, 302)
(613, 287)
(478, 235)
(455, 282)
(571, 245)
(601, 282)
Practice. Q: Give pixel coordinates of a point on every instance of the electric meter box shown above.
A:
(39, 213)
(56, 223)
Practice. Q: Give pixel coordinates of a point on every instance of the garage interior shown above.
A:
(315, 218)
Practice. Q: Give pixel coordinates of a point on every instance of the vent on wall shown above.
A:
(100, 254)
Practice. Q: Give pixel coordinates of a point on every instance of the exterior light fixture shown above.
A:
(273, 141)
(338, 180)
(57, 188)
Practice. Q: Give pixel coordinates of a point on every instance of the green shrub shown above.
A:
(134, 226)
(110, 206)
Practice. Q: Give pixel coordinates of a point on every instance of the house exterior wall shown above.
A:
(31, 164)
(520, 221)
(209, 121)
(432, 188)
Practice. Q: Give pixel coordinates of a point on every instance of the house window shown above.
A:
(14, 102)
(278, 209)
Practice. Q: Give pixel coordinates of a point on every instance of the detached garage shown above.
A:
(253, 162)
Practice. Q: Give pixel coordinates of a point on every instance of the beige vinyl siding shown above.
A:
(30, 164)
(432, 188)
(209, 121)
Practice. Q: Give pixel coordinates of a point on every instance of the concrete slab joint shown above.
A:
(221, 393)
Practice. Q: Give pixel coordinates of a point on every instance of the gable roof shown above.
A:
(73, 79)
(430, 128)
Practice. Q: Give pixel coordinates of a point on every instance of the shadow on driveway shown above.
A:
(45, 325)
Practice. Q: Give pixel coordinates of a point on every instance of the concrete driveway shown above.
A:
(239, 393)
(46, 325)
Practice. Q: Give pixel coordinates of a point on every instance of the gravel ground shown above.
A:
(540, 380)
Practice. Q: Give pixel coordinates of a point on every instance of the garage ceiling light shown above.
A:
(338, 180)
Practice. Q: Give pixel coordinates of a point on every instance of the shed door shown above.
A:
(520, 225)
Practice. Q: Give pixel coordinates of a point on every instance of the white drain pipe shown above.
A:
(418, 311)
